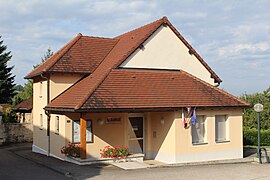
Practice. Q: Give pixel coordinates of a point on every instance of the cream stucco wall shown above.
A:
(172, 143)
(103, 134)
(58, 84)
(164, 50)
(212, 150)
(168, 142)
(39, 102)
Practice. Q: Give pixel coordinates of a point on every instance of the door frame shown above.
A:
(138, 115)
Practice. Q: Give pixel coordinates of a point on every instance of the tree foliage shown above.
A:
(7, 90)
(250, 116)
(27, 91)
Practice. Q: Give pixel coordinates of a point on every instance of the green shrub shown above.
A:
(250, 137)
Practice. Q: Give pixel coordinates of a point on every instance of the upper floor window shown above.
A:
(221, 128)
(40, 89)
(198, 130)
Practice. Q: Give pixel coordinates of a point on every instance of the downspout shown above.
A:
(48, 116)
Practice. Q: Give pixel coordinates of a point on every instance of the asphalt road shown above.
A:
(13, 167)
(18, 162)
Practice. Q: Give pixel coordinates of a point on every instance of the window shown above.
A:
(56, 124)
(198, 130)
(76, 131)
(40, 89)
(41, 121)
(221, 134)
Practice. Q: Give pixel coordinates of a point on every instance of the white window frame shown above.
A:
(76, 131)
(57, 119)
(225, 132)
(41, 121)
(200, 129)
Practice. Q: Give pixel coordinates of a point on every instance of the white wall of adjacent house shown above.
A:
(164, 50)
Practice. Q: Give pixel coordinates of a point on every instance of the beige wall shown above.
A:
(58, 84)
(164, 50)
(173, 143)
(103, 134)
(39, 102)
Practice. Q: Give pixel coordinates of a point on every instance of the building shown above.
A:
(135, 90)
(24, 111)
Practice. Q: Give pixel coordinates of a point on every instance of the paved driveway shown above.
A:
(14, 167)
(18, 162)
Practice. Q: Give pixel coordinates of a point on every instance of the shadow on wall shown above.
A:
(16, 133)
(159, 132)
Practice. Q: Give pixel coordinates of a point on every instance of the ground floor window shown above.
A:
(198, 130)
(41, 121)
(56, 124)
(76, 131)
(221, 128)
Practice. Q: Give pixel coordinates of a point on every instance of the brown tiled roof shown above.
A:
(85, 55)
(81, 55)
(46, 65)
(25, 105)
(82, 94)
(76, 96)
(135, 89)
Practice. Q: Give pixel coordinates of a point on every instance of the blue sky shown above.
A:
(232, 36)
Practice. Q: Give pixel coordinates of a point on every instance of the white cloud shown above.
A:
(232, 36)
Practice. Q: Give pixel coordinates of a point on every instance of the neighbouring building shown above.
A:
(135, 90)
(24, 111)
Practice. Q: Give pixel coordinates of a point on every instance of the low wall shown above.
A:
(16, 132)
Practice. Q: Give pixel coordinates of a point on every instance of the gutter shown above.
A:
(50, 109)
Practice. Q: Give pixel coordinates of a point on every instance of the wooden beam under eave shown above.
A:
(83, 137)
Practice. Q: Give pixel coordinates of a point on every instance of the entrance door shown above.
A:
(135, 135)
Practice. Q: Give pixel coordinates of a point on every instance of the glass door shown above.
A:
(135, 135)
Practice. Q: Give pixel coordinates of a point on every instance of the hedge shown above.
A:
(250, 137)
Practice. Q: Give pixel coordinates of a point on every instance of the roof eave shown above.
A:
(103, 110)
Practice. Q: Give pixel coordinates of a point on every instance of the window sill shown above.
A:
(199, 143)
(224, 141)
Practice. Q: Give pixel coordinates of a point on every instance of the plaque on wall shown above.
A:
(113, 120)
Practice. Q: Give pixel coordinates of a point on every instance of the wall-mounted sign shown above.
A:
(113, 120)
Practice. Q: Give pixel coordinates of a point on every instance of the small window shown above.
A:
(41, 121)
(56, 124)
(198, 130)
(40, 89)
(221, 128)
(76, 131)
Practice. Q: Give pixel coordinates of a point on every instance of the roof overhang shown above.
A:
(150, 109)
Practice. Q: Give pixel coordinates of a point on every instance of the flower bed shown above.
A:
(72, 150)
(116, 152)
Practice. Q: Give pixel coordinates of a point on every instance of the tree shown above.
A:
(250, 116)
(27, 91)
(7, 90)
(47, 55)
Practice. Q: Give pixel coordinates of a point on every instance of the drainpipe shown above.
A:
(48, 116)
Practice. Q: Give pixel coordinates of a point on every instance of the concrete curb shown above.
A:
(57, 170)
